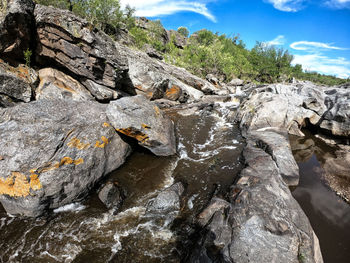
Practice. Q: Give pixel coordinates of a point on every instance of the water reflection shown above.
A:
(329, 214)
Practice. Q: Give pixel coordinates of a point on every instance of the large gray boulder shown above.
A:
(142, 120)
(16, 28)
(261, 221)
(145, 73)
(54, 151)
(71, 43)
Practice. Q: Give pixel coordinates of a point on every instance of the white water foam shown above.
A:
(73, 207)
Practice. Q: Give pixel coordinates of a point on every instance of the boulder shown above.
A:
(179, 40)
(276, 143)
(145, 72)
(71, 43)
(111, 195)
(151, 52)
(142, 120)
(236, 82)
(13, 90)
(153, 28)
(54, 152)
(336, 119)
(57, 85)
(16, 28)
(295, 106)
(16, 84)
(168, 200)
(262, 222)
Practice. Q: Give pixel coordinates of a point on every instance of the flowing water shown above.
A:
(329, 215)
(209, 147)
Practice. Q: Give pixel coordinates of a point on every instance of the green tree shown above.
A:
(183, 31)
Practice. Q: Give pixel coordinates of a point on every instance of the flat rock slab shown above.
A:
(54, 151)
(142, 120)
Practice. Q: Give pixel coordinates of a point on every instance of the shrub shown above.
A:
(183, 31)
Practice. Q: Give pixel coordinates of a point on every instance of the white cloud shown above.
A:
(152, 8)
(278, 41)
(339, 67)
(287, 5)
(312, 46)
(338, 4)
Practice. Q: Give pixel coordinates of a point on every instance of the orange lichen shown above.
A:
(68, 160)
(64, 161)
(103, 144)
(173, 91)
(76, 143)
(17, 185)
(157, 110)
(35, 183)
(106, 125)
(136, 134)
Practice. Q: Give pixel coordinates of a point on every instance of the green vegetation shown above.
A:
(183, 31)
(206, 52)
(27, 56)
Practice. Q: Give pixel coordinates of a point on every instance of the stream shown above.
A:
(208, 161)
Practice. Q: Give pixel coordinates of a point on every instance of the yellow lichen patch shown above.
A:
(35, 183)
(145, 126)
(106, 125)
(133, 133)
(76, 143)
(157, 110)
(78, 161)
(17, 185)
(102, 144)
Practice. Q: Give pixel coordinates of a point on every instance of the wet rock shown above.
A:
(57, 85)
(71, 43)
(16, 29)
(168, 200)
(55, 152)
(142, 120)
(261, 223)
(111, 195)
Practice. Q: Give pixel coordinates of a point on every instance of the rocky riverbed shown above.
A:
(110, 153)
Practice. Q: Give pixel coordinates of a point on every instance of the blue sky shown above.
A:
(317, 33)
